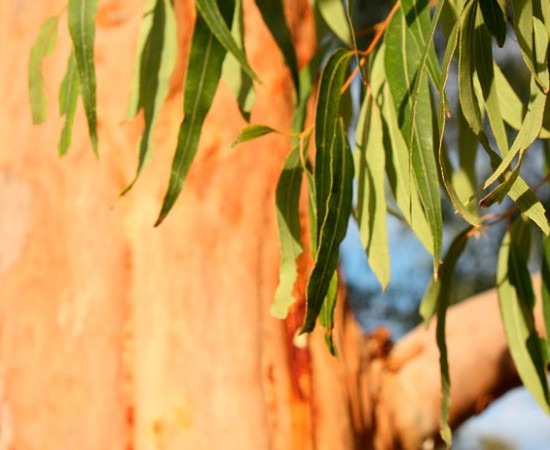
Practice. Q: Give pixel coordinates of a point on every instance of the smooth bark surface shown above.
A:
(118, 335)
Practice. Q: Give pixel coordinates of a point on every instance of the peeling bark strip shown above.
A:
(175, 348)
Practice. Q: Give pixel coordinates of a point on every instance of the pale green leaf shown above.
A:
(68, 97)
(252, 132)
(516, 301)
(402, 63)
(210, 12)
(326, 317)
(334, 14)
(288, 199)
(203, 75)
(42, 47)
(545, 286)
(333, 225)
(81, 16)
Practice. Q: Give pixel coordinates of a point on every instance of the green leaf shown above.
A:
(81, 16)
(334, 15)
(68, 97)
(371, 204)
(456, 200)
(252, 132)
(234, 75)
(326, 317)
(437, 300)
(333, 225)
(157, 59)
(274, 17)
(210, 12)
(326, 119)
(402, 61)
(494, 16)
(516, 302)
(203, 75)
(545, 286)
(42, 47)
(288, 219)
(530, 39)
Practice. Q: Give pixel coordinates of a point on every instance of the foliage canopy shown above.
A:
(398, 160)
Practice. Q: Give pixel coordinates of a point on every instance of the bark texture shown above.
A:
(117, 335)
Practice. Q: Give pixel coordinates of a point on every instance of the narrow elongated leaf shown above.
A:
(326, 119)
(252, 132)
(545, 287)
(371, 211)
(529, 39)
(494, 16)
(237, 79)
(68, 97)
(42, 47)
(402, 62)
(210, 12)
(288, 199)
(81, 16)
(457, 202)
(334, 14)
(203, 75)
(274, 17)
(326, 317)
(157, 60)
(516, 302)
(436, 300)
(333, 226)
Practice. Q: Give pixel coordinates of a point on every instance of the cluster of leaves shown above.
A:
(400, 161)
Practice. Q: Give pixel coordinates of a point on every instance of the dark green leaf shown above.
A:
(81, 15)
(42, 47)
(274, 17)
(333, 225)
(157, 59)
(326, 119)
(203, 75)
(68, 97)
(288, 199)
(214, 18)
(516, 301)
(494, 16)
(252, 132)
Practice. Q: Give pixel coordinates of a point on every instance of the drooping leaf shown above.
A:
(215, 20)
(81, 16)
(371, 202)
(237, 79)
(288, 199)
(516, 302)
(326, 119)
(494, 16)
(545, 286)
(274, 17)
(157, 59)
(326, 317)
(529, 39)
(402, 62)
(252, 132)
(42, 47)
(436, 301)
(333, 225)
(456, 200)
(334, 14)
(203, 75)
(68, 97)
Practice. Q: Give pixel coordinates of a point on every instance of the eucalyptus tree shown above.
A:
(397, 158)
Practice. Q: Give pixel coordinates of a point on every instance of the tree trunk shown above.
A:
(118, 335)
